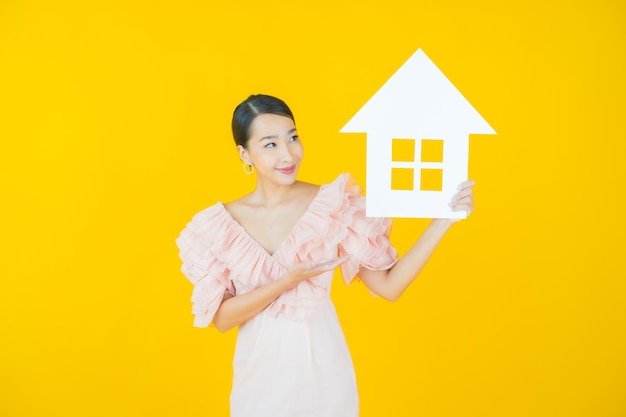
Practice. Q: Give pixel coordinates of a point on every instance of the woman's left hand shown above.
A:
(464, 198)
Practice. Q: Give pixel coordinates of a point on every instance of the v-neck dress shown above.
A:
(291, 359)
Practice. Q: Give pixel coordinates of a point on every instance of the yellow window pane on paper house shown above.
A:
(432, 150)
(403, 150)
(431, 179)
(402, 179)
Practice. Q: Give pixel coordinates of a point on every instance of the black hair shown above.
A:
(247, 110)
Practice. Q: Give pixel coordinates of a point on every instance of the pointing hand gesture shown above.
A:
(304, 270)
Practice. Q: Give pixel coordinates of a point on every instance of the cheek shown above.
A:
(300, 150)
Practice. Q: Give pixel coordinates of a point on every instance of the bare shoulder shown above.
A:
(306, 190)
(238, 208)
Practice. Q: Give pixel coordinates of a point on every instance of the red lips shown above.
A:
(288, 170)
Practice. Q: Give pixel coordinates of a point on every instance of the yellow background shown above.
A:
(114, 130)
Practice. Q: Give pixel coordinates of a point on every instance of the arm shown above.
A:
(392, 283)
(236, 310)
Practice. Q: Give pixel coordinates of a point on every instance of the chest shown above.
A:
(270, 228)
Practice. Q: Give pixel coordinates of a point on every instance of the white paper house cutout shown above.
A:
(417, 103)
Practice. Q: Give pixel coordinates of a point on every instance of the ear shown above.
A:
(243, 154)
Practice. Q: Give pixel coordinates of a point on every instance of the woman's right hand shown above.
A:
(305, 270)
(238, 309)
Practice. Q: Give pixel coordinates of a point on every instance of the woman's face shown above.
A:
(274, 148)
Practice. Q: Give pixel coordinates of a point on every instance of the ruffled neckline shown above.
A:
(322, 205)
(219, 255)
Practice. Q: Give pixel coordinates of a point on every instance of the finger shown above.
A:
(466, 184)
(330, 264)
(462, 194)
(463, 200)
(463, 203)
(468, 208)
(465, 187)
(466, 201)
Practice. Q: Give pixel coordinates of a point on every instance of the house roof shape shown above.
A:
(418, 100)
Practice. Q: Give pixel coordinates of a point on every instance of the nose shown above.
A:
(286, 155)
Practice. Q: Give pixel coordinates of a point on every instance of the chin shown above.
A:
(287, 179)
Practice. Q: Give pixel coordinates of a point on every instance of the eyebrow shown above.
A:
(276, 136)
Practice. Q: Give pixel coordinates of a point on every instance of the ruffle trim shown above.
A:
(217, 251)
(210, 276)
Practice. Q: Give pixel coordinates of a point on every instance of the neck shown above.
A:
(271, 195)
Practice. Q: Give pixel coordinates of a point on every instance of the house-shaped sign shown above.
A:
(418, 126)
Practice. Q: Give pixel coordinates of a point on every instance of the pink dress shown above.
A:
(291, 359)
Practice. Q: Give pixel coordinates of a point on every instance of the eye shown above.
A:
(294, 138)
(270, 145)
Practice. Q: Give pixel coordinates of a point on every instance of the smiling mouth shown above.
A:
(288, 170)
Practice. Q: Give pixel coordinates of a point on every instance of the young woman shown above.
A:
(264, 263)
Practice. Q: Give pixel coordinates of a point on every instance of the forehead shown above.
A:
(270, 124)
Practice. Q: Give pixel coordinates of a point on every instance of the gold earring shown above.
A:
(248, 168)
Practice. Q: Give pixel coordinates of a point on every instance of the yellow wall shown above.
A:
(114, 131)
